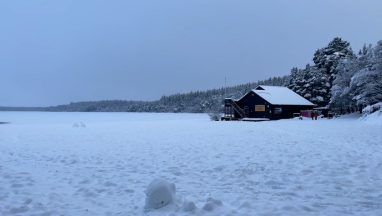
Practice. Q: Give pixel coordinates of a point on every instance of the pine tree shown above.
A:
(366, 84)
(328, 58)
(317, 86)
(315, 82)
(340, 91)
(297, 82)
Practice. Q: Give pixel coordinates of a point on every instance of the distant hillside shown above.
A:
(192, 102)
(22, 108)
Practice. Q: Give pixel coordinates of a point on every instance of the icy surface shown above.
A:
(290, 167)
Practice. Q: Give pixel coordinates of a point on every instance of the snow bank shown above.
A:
(188, 206)
(372, 108)
(212, 204)
(372, 114)
(159, 193)
(374, 118)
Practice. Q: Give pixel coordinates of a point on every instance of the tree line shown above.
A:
(338, 79)
(192, 102)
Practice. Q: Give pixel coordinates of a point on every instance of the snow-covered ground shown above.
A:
(102, 163)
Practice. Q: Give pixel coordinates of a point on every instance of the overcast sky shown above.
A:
(56, 52)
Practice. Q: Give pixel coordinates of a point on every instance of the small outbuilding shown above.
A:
(266, 103)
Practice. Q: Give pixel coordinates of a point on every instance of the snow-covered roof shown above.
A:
(279, 95)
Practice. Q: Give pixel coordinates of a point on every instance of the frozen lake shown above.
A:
(101, 164)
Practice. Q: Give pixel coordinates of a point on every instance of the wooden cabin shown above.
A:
(266, 103)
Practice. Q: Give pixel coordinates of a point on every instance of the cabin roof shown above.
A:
(279, 95)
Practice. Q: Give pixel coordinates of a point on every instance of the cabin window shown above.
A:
(259, 108)
(278, 110)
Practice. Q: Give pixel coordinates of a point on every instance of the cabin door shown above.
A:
(246, 111)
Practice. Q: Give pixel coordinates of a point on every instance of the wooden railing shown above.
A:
(237, 108)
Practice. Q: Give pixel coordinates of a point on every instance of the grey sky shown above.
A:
(55, 52)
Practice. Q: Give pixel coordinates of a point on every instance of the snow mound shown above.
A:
(159, 193)
(188, 206)
(79, 125)
(212, 204)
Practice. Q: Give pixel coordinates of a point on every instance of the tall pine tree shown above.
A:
(315, 82)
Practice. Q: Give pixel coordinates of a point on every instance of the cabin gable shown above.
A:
(255, 106)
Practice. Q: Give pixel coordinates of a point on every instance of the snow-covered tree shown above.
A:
(358, 81)
(327, 58)
(315, 82)
(366, 84)
(298, 81)
(317, 86)
(340, 91)
(311, 83)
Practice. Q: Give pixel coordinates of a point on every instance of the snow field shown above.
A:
(289, 167)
